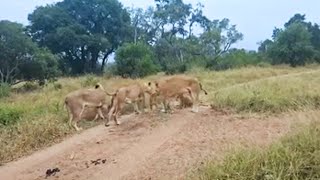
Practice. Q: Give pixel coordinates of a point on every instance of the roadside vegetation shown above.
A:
(296, 156)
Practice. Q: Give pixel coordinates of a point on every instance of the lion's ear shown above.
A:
(97, 86)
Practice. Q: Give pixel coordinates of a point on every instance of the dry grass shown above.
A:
(42, 119)
(296, 156)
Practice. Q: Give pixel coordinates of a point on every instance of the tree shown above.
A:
(218, 39)
(297, 18)
(172, 13)
(292, 46)
(144, 25)
(44, 65)
(135, 60)
(264, 46)
(20, 58)
(198, 17)
(81, 31)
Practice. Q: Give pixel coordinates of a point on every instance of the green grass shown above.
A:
(41, 119)
(295, 157)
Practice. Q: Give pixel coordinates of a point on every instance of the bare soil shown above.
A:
(148, 146)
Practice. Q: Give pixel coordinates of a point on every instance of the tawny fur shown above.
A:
(131, 94)
(174, 86)
(78, 100)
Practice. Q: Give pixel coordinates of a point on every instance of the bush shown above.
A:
(135, 60)
(4, 90)
(9, 116)
(236, 58)
(30, 86)
(90, 80)
(57, 86)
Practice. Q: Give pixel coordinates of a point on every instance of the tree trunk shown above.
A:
(104, 60)
(135, 35)
(94, 60)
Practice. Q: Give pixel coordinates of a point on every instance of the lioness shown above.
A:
(131, 94)
(176, 86)
(78, 100)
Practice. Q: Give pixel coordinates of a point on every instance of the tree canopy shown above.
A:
(81, 31)
(296, 44)
(20, 58)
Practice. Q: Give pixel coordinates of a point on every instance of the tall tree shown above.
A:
(81, 31)
(19, 55)
(218, 39)
(292, 46)
(174, 14)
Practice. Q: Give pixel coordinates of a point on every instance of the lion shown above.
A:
(131, 94)
(178, 86)
(76, 102)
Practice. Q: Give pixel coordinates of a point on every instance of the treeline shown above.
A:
(74, 37)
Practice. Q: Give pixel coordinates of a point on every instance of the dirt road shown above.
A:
(149, 146)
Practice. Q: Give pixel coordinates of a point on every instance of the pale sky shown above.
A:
(254, 18)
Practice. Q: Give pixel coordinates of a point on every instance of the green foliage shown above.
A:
(237, 58)
(80, 32)
(297, 44)
(292, 46)
(295, 157)
(29, 86)
(21, 59)
(218, 39)
(9, 115)
(43, 66)
(4, 90)
(15, 47)
(135, 60)
(89, 81)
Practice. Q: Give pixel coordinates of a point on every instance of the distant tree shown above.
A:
(292, 46)
(297, 18)
(198, 17)
(44, 65)
(264, 46)
(81, 31)
(218, 39)
(236, 58)
(20, 58)
(145, 27)
(173, 14)
(135, 60)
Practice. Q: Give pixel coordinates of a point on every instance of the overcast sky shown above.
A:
(254, 18)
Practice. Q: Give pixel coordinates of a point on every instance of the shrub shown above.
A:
(4, 90)
(30, 86)
(90, 80)
(57, 86)
(135, 60)
(9, 116)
